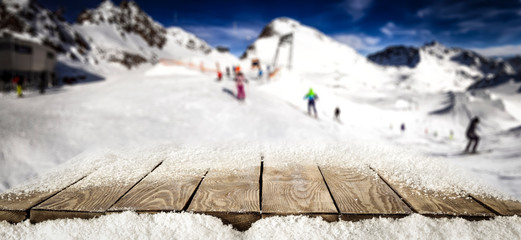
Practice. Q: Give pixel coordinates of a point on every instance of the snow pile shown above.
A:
(128, 225)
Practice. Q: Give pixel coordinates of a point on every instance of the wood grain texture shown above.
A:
(356, 193)
(13, 204)
(503, 207)
(12, 216)
(295, 190)
(233, 197)
(92, 198)
(165, 194)
(44, 215)
(22, 202)
(233, 192)
(438, 203)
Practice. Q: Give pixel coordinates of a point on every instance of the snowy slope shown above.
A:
(149, 116)
(435, 67)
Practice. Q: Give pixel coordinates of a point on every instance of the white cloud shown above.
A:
(232, 32)
(390, 29)
(506, 50)
(423, 13)
(359, 42)
(357, 8)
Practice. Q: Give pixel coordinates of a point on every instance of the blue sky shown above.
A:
(490, 27)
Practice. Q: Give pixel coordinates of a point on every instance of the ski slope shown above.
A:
(172, 106)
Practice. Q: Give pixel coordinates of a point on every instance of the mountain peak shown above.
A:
(280, 26)
(106, 4)
(127, 18)
(432, 43)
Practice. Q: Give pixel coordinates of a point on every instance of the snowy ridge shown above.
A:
(312, 50)
(28, 20)
(456, 69)
(127, 18)
(126, 34)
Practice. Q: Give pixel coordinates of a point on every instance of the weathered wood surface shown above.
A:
(362, 193)
(14, 206)
(231, 196)
(503, 207)
(438, 203)
(12, 216)
(160, 193)
(86, 199)
(242, 197)
(296, 190)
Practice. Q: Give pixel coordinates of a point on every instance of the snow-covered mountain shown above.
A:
(28, 20)
(312, 51)
(439, 67)
(122, 34)
(515, 62)
(128, 35)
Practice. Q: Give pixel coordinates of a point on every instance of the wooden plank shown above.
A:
(86, 199)
(44, 215)
(12, 216)
(15, 205)
(158, 192)
(362, 193)
(296, 190)
(438, 203)
(503, 207)
(231, 196)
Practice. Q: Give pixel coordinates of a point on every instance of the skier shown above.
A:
(43, 83)
(337, 113)
(18, 81)
(471, 135)
(228, 71)
(240, 79)
(260, 73)
(311, 97)
(219, 75)
(402, 127)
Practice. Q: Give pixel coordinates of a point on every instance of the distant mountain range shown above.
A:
(126, 35)
(467, 64)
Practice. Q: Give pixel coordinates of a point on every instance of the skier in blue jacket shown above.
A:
(311, 97)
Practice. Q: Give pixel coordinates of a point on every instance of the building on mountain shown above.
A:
(30, 60)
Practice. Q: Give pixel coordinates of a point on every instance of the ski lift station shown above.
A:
(30, 60)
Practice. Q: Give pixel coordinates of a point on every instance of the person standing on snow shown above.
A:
(219, 75)
(337, 113)
(18, 81)
(471, 135)
(240, 79)
(260, 73)
(311, 97)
